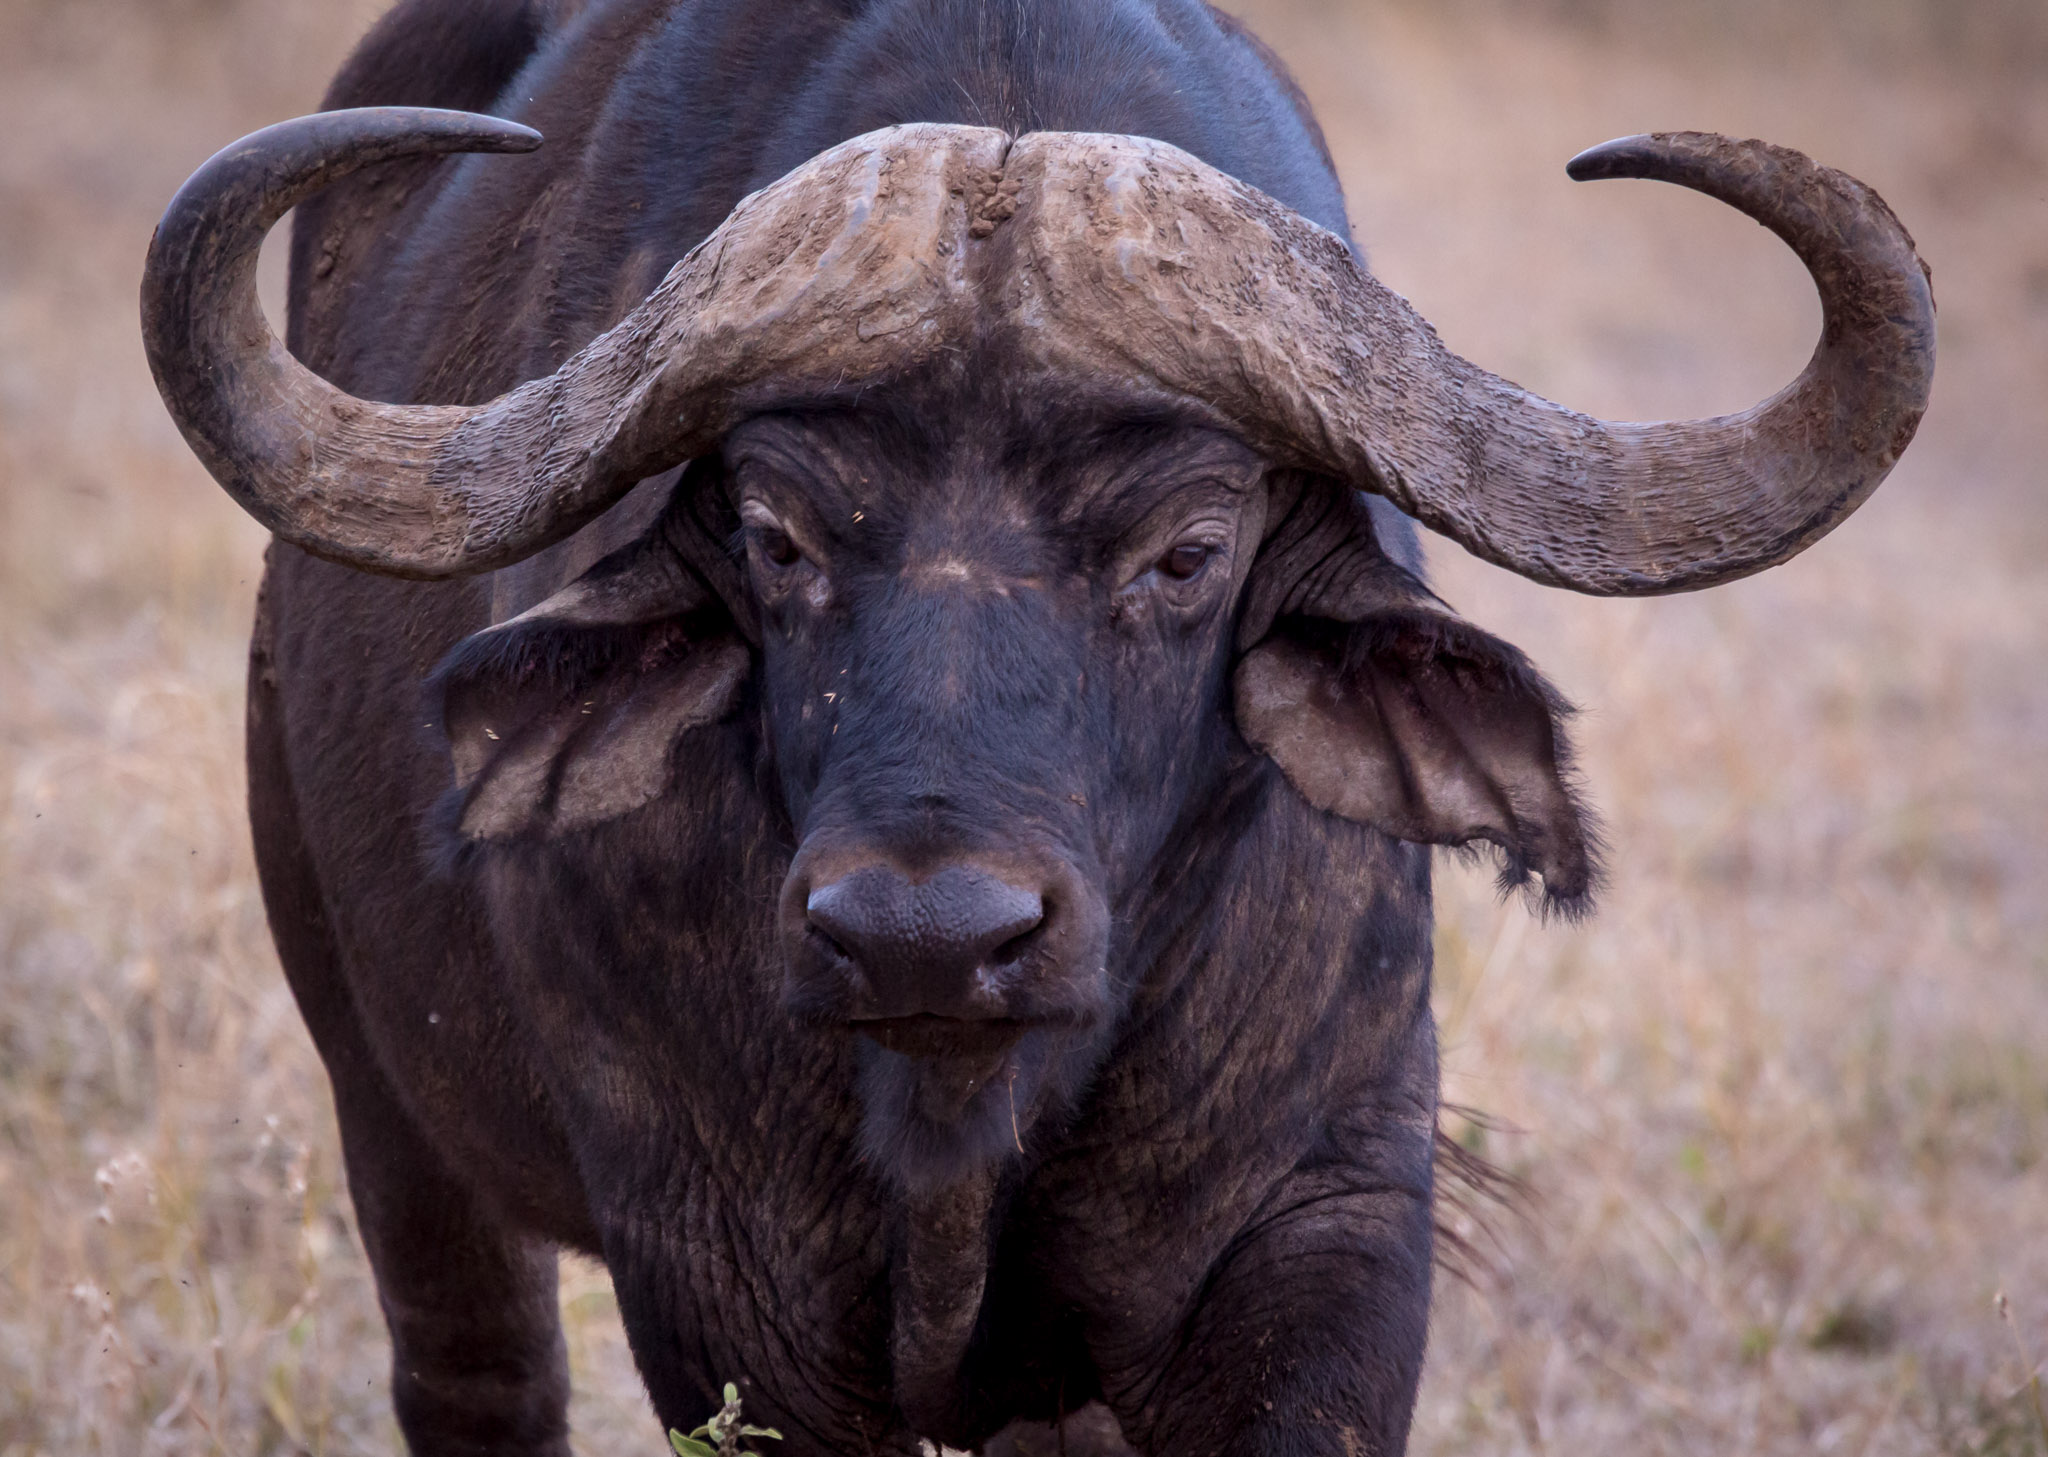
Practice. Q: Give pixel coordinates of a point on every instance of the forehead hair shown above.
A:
(937, 424)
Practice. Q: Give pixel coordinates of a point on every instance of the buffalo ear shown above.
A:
(568, 714)
(1413, 721)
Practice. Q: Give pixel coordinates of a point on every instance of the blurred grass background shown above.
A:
(1782, 1108)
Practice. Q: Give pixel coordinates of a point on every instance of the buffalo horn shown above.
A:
(1118, 260)
(1168, 274)
(849, 266)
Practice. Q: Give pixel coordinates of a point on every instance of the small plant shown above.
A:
(722, 1435)
(2030, 1374)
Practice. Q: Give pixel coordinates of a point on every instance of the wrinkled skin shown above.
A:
(930, 895)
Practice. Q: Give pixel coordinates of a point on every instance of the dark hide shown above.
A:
(932, 896)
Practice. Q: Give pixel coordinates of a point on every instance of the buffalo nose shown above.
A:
(920, 943)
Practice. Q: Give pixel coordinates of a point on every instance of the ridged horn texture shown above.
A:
(1147, 264)
(849, 267)
(1114, 260)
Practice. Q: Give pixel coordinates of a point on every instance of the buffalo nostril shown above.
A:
(1015, 948)
(1010, 933)
(827, 940)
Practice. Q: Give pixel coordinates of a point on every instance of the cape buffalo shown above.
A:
(885, 790)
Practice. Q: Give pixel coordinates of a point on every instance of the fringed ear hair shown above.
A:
(1382, 705)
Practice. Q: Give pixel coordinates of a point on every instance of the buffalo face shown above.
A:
(1008, 656)
(995, 676)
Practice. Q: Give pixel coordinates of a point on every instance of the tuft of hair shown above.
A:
(1473, 1194)
(1513, 874)
(1470, 653)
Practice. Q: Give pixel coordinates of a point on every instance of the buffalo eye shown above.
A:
(765, 532)
(1185, 561)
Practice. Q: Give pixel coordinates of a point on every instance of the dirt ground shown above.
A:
(1781, 1108)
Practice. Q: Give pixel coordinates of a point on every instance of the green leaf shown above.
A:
(689, 1446)
(760, 1432)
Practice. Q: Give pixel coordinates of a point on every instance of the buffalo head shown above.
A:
(1025, 515)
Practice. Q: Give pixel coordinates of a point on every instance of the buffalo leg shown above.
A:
(478, 1364)
(477, 1359)
(1309, 1336)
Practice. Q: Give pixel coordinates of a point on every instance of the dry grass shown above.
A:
(1783, 1105)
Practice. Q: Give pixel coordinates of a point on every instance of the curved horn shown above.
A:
(1128, 258)
(849, 266)
(1174, 276)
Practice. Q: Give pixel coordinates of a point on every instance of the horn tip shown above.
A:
(396, 130)
(1622, 157)
(510, 136)
(475, 131)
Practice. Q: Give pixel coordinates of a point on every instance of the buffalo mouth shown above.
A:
(927, 1035)
(943, 1096)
